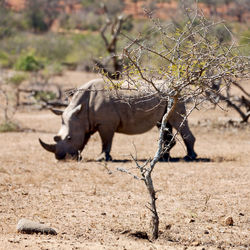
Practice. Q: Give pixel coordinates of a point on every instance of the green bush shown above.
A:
(52, 47)
(28, 62)
(53, 69)
(5, 23)
(222, 34)
(9, 126)
(44, 95)
(36, 20)
(245, 38)
(5, 61)
(245, 42)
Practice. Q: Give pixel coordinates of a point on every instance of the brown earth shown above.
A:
(93, 206)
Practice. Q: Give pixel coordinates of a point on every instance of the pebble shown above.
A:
(195, 243)
(229, 221)
(30, 227)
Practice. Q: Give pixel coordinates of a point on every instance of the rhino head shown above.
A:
(70, 139)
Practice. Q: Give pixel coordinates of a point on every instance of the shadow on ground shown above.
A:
(174, 159)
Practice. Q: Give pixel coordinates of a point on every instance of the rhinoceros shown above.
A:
(96, 108)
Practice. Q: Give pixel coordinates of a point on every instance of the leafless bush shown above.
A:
(19, 89)
(9, 84)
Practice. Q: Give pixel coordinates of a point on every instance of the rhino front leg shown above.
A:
(106, 137)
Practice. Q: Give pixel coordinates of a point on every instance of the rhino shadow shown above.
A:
(172, 159)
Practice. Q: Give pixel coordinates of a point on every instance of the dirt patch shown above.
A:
(94, 206)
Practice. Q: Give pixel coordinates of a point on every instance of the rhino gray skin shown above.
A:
(95, 108)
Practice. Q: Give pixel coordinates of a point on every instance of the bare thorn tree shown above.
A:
(180, 65)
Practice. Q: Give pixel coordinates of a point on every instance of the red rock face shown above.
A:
(162, 10)
(16, 4)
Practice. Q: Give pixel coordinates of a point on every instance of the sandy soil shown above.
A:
(94, 206)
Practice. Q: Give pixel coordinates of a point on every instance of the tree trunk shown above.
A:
(155, 217)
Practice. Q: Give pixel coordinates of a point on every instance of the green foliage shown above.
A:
(52, 47)
(40, 14)
(222, 33)
(9, 126)
(53, 69)
(5, 61)
(36, 21)
(5, 23)
(128, 25)
(86, 46)
(189, 57)
(245, 38)
(11, 22)
(245, 42)
(44, 95)
(28, 62)
(5, 31)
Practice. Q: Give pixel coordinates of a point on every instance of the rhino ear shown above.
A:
(57, 111)
(77, 109)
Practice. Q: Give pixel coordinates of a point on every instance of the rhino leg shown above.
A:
(104, 157)
(176, 120)
(169, 141)
(106, 135)
(189, 141)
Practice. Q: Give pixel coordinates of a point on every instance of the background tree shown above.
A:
(42, 13)
(239, 9)
(212, 5)
(111, 34)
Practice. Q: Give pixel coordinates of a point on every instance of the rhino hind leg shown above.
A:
(189, 141)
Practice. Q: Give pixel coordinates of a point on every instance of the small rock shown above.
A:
(168, 226)
(30, 227)
(188, 220)
(206, 232)
(229, 221)
(241, 214)
(195, 243)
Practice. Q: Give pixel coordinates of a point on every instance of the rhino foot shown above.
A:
(191, 157)
(104, 157)
(165, 158)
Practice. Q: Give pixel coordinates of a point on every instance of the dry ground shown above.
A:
(93, 206)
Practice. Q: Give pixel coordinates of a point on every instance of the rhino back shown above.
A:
(129, 114)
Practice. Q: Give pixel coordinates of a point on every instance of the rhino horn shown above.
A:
(48, 147)
(56, 111)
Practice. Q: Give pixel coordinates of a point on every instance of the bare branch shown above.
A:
(129, 173)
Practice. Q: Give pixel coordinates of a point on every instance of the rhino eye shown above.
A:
(68, 137)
